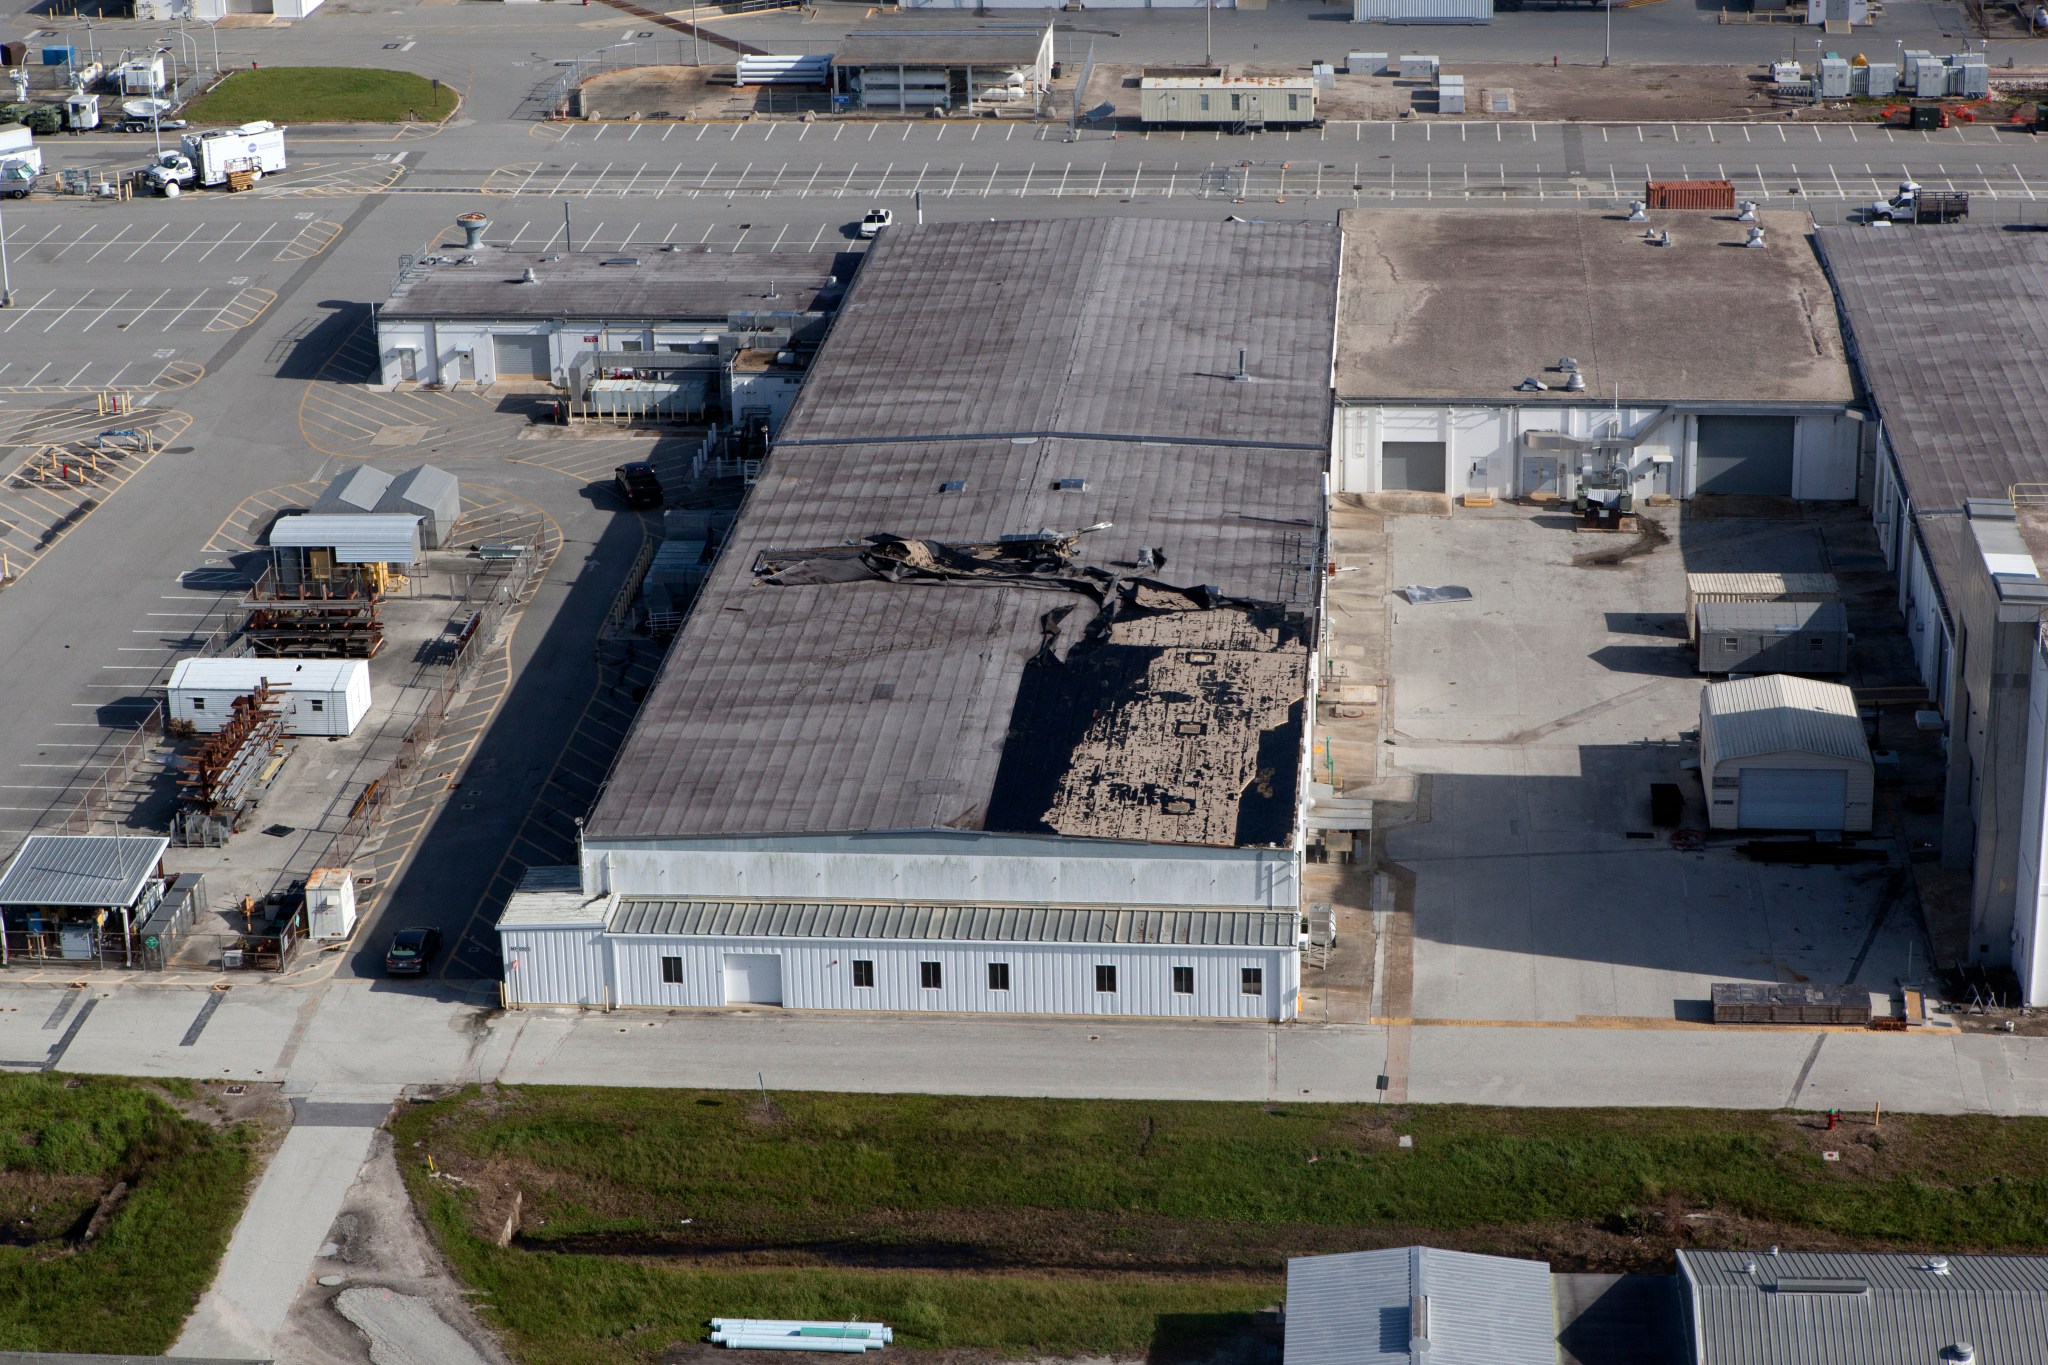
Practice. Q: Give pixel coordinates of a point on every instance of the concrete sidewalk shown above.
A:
(287, 1220)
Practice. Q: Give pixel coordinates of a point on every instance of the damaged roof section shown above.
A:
(925, 621)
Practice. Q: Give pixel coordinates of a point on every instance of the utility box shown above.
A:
(1834, 77)
(1450, 95)
(1878, 80)
(1971, 76)
(1366, 64)
(1801, 638)
(1414, 68)
(330, 903)
(317, 696)
(1930, 80)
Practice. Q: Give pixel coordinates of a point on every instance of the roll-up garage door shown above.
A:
(753, 979)
(1412, 466)
(1746, 455)
(521, 357)
(1794, 798)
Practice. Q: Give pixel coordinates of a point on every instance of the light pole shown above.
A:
(696, 38)
(6, 284)
(1607, 10)
(213, 27)
(1208, 32)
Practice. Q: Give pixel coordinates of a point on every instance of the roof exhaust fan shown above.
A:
(527, 276)
(1756, 237)
(1636, 212)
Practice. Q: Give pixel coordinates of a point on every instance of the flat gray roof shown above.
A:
(88, 871)
(1819, 616)
(682, 285)
(1466, 303)
(949, 40)
(1419, 1306)
(829, 683)
(956, 923)
(1945, 322)
(1855, 1308)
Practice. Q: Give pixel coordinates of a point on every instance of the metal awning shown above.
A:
(354, 537)
(94, 871)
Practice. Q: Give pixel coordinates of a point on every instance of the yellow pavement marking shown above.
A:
(243, 309)
(1643, 1023)
(313, 239)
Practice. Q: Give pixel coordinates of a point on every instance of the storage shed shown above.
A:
(78, 897)
(320, 696)
(1755, 587)
(1409, 1304)
(1772, 637)
(904, 65)
(1784, 753)
(353, 490)
(433, 495)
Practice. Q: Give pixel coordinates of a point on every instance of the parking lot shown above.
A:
(1537, 715)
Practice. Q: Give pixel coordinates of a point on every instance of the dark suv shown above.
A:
(412, 951)
(637, 485)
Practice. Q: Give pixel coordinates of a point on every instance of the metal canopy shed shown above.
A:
(909, 65)
(434, 495)
(1410, 1304)
(1784, 753)
(352, 537)
(78, 897)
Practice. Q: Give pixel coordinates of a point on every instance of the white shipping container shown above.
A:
(1422, 11)
(320, 696)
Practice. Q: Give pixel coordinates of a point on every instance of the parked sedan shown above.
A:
(875, 221)
(412, 952)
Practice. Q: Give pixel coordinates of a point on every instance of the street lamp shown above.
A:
(6, 284)
(1607, 9)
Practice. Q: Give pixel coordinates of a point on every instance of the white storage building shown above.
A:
(919, 717)
(671, 954)
(319, 696)
(1779, 752)
(1422, 11)
(1705, 368)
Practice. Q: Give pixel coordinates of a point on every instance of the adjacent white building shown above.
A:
(316, 696)
(1702, 366)
(1779, 752)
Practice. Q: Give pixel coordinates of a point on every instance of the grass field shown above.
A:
(321, 94)
(164, 1190)
(1047, 1226)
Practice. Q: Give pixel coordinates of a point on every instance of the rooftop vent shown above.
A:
(1070, 485)
(1575, 382)
(527, 276)
(1635, 211)
(1747, 211)
(1962, 1353)
(1823, 1286)
(1567, 362)
(1178, 805)
(620, 260)
(1937, 1265)
(1756, 237)
(953, 486)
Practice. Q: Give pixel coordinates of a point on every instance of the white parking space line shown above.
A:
(258, 242)
(147, 241)
(104, 311)
(225, 238)
(26, 312)
(110, 241)
(68, 311)
(186, 309)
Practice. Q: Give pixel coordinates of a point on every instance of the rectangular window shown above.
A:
(1731, 644)
(199, 703)
(1251, 981)
(928, 975)
(629, 345)
(1183, 980)
(317, 703)
(1105, 977)
(1819, 643)
(1205, 104)
(1237, 102)
(671, 971)
(1293, 103)
(999, 976)
(863, 974)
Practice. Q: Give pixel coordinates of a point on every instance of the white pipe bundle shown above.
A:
(797, 1334)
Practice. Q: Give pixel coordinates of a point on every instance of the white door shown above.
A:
(753, 979)
(1793, 798)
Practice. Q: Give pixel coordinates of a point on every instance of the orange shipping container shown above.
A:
(1690, 194)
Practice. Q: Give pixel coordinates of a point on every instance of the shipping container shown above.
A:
(1690, 194)
(1741, 1002)
(1422, 11)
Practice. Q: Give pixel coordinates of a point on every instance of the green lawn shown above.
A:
(64, 1143)
(1101, 1227)
(320, 94)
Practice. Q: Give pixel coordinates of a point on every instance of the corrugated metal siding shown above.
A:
(555, 967)
(1044, 978)
(973, 923)
(355, 537)
(1423, 11)
(1999, 1304)
(90, 870)
(1780, 714)
(1353, 1309)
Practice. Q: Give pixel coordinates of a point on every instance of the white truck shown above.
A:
(21, 161)
(218, 157)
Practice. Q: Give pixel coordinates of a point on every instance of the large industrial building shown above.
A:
(1702, 366)
(1957, 496)
(998, 697)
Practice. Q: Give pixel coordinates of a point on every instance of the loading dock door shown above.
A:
(1746, 455)
(1793, 798)
(1412, 466)
(521, 357)
(753, 979)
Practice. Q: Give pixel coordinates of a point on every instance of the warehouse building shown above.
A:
(496, 316)
(1699, 367)
(1962, 461)
(897, 64)
(1008, 660)
(1416, 1304)
(1784, 753)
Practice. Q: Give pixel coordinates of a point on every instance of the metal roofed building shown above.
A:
(474, 315)
(79, 896)
(1861, 1308)
(1729, 365)
(1419, 1306)
(1781, 752)
(1018, 615)
(905, 64)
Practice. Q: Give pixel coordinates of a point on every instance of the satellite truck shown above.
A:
(234, 157)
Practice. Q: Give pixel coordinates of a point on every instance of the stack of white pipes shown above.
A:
(795, 1334)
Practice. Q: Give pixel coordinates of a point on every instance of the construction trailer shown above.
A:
(1755, 587)
(315, 696)
(1209, 97)
(1772, 637)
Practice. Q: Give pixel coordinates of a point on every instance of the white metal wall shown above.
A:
(967, 871)
(554, 966)
(2030, 884)
(1484, 454)
(1045, 978)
